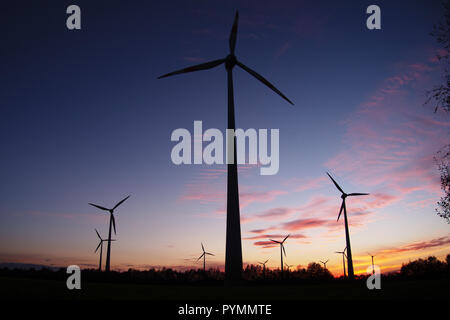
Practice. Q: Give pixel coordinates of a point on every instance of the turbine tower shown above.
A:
(112, 223)
(100, 245)
(204, 257)
(264, 267)
(344, 195)
(373, 268)
(325, 263)
(282, 250)
(233, 255)
(343, 260)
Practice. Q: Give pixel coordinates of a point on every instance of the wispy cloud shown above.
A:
(419, 245)
(389, 144)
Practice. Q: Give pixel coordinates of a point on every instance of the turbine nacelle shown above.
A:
(230, 61)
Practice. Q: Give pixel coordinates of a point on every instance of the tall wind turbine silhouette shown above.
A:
(282, 250)
(325, 263)
(264, 267)
(344, 195)
(112, 223)
(100, 245)
(373, 269)
(343, 260)
(204, 257)
(233, 255)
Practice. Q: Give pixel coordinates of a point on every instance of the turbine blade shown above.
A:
(233, 34)
(275, 241)
(282, 246)
(340, 211)
(266, 261)
(120, 202)
(209, 254)
(263, 80)
(335, 183)
(285, 238)
(98, 234)
(327, 261)
(358, 194)
(98, 247)
(100, 207)
(201, 256)
(203, 248)
(113, 222)
(198, 67)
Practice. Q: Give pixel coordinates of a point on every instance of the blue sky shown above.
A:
(84, 119)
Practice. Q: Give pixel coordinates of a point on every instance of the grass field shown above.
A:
(37, 289)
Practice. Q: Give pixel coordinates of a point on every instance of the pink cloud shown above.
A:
(302, 224)
(420, 245)
(300, 185)
(276, 236)
(391, 138)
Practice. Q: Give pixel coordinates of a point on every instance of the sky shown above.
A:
(85, 119)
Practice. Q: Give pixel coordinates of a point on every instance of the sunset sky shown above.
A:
(84, 119)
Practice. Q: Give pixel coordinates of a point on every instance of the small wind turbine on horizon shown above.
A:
(282, 250)
(325, 263)
(233, 255)
(204, 257)
(100, 245)
(344, 195)
(264, 267)
(112, 223)
(343, 260)
(288, 266)
(373, 268)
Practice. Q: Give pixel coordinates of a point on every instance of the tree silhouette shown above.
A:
(440, 98)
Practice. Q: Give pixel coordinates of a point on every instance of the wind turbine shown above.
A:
(264, 267)
(233, 256)
(204, 257)
(282, 250)
(344, 195)
(112, 223)
(325, 263)
(100, 245)
(288, 266)
(343, 260)
(373, 269)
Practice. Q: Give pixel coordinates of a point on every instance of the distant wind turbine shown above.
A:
(233, 256)
(344, 195)
(343, 260)
(288, 266)
(100, 245)
(264, 267)
(373, 268)
(204, 257)
(112, 223)
(325, 263)
(282, 250)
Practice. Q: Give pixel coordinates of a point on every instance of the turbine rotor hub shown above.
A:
(230, 61)
(343, 196)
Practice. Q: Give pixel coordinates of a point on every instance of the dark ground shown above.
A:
(39, 289)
